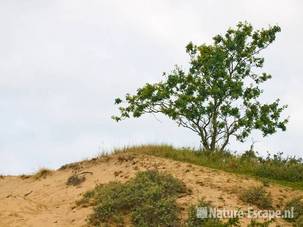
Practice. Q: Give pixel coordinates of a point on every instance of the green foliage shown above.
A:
(149, 199)
(257, 196)
(299, 222)
(274, 168)
(297, 205)
(255, 223)
(162, 212)
(218, 97)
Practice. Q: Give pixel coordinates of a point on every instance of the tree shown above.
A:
(218, 96)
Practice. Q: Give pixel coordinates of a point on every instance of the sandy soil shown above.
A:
(49, 202)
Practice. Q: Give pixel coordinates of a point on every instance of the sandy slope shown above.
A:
(50, 202)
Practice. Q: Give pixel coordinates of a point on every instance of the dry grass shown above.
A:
(42, 173)
(297, 204)
(74, 165)
(25, 176)
(75, 180)
(257, 196)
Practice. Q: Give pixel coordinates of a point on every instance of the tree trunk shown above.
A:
(204, 142)
(214, 131)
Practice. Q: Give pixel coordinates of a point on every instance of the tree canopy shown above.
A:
(218, 97)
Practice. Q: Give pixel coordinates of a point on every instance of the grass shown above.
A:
(297, 205)
(257, 196)
(149, 200)
(75, 180)
(254, 223)
(271, 169)
(299, 221)
(42, 173)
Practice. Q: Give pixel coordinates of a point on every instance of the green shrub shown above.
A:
(248, 155)
(257, 196)
(297, 205)
(149, 199)
(255, 223)
(163, 212)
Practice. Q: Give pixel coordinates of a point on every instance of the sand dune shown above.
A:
(49, 201)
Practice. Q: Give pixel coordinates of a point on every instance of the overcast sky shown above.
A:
(62, 63)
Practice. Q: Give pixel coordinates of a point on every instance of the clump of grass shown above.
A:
(42, 173)
(75, 180)
(254, 223)
(299, 221)
(257, 196)
(25, 176)
(125, 158)
(70, 166)
(297, 205)
(194, 220)
(287, 171)
(149, 199)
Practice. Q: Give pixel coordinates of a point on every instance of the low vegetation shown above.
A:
(75, 180)
(42, 173)
(254, 223)
(257, 196)
(297, 205)
(273, 168)
(299, 221)
(149, 199)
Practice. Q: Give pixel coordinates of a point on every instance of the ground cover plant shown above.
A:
(149, 200)
(257, 196)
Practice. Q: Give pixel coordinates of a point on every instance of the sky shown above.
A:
(63, 62)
